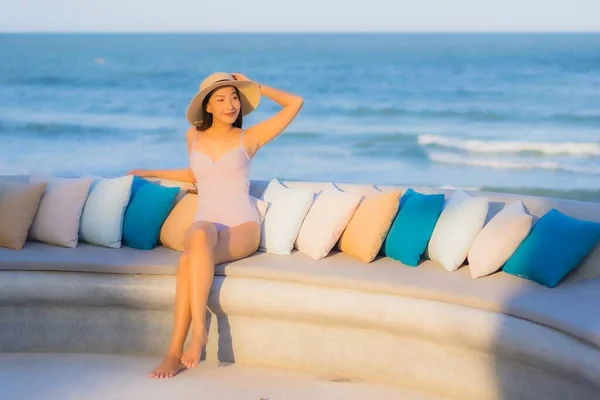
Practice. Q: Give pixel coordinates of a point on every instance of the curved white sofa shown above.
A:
(498, 337)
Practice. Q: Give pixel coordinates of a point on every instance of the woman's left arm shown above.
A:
(265, 131)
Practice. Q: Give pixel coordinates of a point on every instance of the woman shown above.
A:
(226, 226)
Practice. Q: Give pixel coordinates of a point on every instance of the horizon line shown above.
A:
(309, 32)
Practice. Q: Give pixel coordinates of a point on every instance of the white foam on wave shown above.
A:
(510, 164)
(481, 146)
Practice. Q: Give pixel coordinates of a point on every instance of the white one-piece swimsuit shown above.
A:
(223, 187)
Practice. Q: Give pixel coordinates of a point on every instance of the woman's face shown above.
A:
(224, 105)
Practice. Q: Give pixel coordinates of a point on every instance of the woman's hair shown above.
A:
(207, 118)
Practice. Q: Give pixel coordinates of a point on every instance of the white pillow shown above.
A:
(326, 220)
(287, 209)
(262, 208)
(499, 239)
(459, 223)
(57, 218)
(102, 217)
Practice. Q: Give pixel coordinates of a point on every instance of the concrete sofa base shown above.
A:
(498, 337)
(441, 348)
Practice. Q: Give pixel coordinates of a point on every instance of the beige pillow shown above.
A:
(172, 233)
(370, 224)
(59, 214)
(18, 204)
(327, 218)
(499, 239)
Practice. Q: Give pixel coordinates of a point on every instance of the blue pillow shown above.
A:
(413, 226)
(409, 192)
(101, 220)
(555, 246)
(146, 214)
(136, 185)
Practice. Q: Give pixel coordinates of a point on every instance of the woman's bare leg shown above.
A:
(202, 265)
(172, 364)
(207, 248)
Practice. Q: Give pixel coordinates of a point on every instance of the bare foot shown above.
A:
(168, 368)
(191, 357)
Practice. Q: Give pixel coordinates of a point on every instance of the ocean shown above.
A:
(506, 112)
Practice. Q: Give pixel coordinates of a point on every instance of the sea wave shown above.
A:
(510, 164)
(48, 121)
(53, 130)
(63, 81)
(589, 195)
(482, 146)
(479, 115)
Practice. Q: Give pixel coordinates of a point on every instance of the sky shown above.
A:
(299, 15)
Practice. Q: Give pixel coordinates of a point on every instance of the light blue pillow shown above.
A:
(146, 214)
(413, 226)
(101, 221)
(555, 246)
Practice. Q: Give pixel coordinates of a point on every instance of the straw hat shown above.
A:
(249, 95)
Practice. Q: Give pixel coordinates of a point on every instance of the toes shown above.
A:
(185, 361)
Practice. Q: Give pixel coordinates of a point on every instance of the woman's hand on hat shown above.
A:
(239, 77)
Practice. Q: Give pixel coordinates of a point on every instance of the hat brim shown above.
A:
(249, 99)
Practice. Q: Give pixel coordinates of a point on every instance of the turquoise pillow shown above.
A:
(136, 185)
(146, 214)
(101, 220)
(555, 246)
(413, 226)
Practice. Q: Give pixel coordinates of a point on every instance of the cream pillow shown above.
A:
(172, 233)
(460, 222)
(18, 204)
(57, 219)
(370, 224)
(287, 209)
(326, 220)
(499, 239)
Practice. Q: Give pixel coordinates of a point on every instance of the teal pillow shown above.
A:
(146, 214)
(413, 226)
(555, 246)
(136, 185)
(101, 220)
